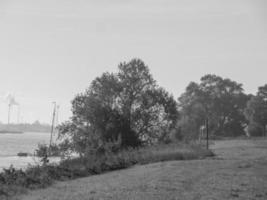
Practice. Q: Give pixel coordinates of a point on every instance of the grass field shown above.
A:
(238, 172)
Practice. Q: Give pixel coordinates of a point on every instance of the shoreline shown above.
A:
(23, 162)
(11, 132)
(238, 163)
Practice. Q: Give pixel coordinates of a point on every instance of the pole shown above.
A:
(57, 113)
(207, 132)
(52, 127)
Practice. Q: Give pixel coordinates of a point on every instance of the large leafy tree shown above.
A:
(219, 100)
(127, 105)
(256, 112)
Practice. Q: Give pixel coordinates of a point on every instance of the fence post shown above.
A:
(207, 132)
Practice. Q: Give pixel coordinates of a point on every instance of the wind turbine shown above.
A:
(11, 102)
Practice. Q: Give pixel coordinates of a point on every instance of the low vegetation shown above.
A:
(46, 150)
(13, 181)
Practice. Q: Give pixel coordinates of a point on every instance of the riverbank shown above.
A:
(22, 162)
(15, 181)
(238, 172)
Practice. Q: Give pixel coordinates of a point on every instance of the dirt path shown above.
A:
(239, 172)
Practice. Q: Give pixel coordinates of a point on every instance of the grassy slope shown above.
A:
(13, 181)
(239, 172)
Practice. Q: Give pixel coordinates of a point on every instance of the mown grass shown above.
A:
(13, 181)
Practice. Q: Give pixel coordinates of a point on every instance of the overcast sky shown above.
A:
(51, 50)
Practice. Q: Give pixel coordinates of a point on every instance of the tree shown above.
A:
(126, 106)
(193, 110)
(262, 92)
(219, 100)
(256, 112)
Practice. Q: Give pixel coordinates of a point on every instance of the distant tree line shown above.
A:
(256, 112)
(129, 109)
(26, 127)
(229, 111)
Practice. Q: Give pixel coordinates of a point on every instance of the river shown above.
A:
(11, 144)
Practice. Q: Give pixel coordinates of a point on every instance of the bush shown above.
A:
(254, 129)
(44, 150)
(33, 177)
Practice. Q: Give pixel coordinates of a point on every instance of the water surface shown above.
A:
(11, 144)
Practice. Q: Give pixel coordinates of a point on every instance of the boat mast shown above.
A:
(57, 113)
(52, 127)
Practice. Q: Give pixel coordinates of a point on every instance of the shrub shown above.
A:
(33, 177)
(255, 129)
(45, 150)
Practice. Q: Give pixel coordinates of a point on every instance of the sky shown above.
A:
(51, 50)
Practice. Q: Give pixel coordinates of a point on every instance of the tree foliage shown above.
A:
(256, 112)
(219, 100)
(126, 106)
